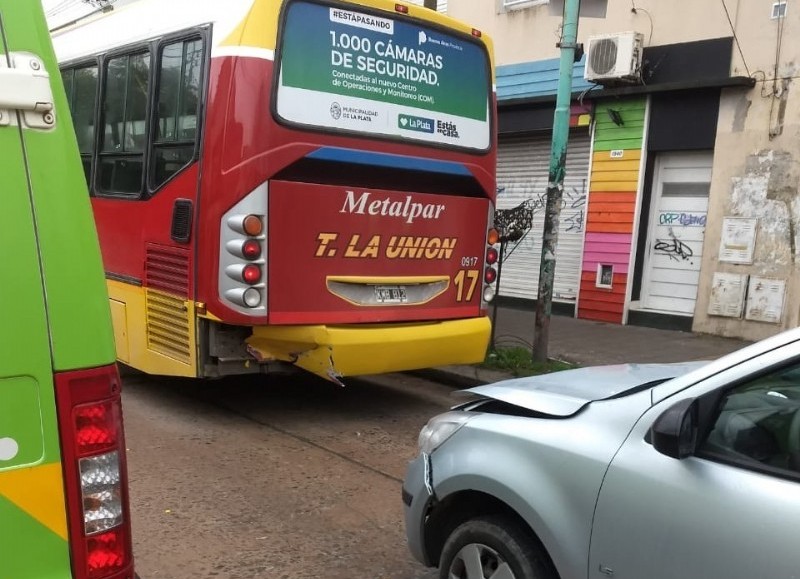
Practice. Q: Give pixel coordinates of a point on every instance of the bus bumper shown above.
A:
(333, 352)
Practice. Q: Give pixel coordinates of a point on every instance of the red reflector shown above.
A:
(491, 256)
(251, 249)
(490, 275)
(105, 554)
(251, 274)
(96, 427)
(476, 33)
(401, 9)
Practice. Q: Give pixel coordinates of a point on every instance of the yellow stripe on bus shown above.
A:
(39, 491)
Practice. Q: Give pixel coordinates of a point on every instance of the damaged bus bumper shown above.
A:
(333, 352)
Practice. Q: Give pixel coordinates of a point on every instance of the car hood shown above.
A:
(562, 394)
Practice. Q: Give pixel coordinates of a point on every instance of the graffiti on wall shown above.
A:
(534, 196)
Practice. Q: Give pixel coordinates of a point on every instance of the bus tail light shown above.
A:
(246, 298)
(246, 224)
(249, 249)
(249, 273)
(401, 8)
(95, 476)
(491, 256)
(490, 275)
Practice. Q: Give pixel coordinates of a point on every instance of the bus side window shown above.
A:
(80, 84)
(66, 78)
(176, 127)
(121, 158)
(83, 108)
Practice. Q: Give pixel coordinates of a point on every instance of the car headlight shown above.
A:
(439, 429)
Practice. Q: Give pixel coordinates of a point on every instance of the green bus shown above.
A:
(63, 484)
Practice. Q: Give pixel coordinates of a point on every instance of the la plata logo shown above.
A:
(336, 111)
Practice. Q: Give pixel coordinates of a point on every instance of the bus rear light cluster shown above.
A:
(95, 479)
(492, 257)
(243, 254)
(249, 249)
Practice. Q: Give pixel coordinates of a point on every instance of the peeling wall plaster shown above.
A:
(769, 192)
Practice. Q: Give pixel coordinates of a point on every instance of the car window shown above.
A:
(758, 424)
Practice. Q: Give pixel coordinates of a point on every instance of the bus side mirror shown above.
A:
(674, 433)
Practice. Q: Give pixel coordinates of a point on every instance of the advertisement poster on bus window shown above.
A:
(355, 71)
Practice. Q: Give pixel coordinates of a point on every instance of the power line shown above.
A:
(735, 37)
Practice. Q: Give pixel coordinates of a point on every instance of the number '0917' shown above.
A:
(469, 261)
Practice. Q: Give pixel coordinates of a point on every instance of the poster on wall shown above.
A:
(738, 240)
(765, 300)
(362, 72)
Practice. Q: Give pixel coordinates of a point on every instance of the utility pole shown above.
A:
(555, 180)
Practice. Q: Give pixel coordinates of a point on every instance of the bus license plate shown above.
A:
(390, 294)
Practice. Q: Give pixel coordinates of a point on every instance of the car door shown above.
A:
(730, 510)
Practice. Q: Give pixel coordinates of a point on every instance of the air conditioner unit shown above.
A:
(614, 57)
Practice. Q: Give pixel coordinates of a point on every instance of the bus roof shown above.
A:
(241, 27)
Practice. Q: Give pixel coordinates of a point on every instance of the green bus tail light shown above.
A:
(95, 475)
(106, 554)
(102, 495)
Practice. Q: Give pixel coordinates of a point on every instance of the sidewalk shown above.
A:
(589, 343)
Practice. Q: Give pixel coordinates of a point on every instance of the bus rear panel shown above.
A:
(327, 201)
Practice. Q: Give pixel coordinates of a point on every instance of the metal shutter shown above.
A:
(522, 168)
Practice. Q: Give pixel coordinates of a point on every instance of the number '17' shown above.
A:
(466, 278)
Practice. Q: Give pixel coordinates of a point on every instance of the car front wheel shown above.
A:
(492, 548)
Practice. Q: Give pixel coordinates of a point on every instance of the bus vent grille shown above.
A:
(168, 326)
(181, 229)
(167, 269)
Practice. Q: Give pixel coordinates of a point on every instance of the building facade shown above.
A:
(681, 202)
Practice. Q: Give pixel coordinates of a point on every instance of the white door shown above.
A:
(677, 228)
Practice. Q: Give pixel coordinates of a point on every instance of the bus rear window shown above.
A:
(354, 71)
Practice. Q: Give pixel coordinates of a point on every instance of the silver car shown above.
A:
(685, 471)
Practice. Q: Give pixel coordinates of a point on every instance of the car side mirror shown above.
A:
(674, 433)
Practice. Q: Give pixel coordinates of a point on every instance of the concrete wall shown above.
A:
(756, 169)
(526, 34)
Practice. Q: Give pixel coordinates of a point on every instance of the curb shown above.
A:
(461, 376)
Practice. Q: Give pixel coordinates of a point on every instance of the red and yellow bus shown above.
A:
(307, 182)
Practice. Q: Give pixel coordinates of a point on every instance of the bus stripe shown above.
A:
(248, 51)
(342, 155)
(39, 491)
